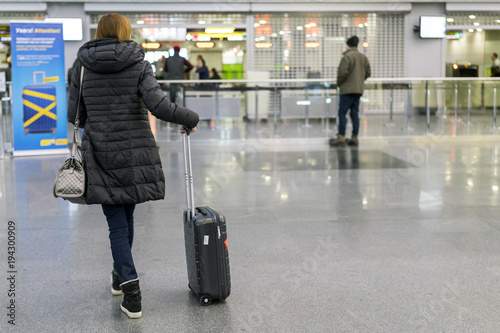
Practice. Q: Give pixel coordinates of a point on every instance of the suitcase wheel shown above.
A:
(205, 300)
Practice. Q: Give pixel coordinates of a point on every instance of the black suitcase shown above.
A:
(205, 236)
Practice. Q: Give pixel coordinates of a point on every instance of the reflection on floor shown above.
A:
(342, 158)
(398, 235)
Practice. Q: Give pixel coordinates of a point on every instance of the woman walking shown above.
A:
(119, 151)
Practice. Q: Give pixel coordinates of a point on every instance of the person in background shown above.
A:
(175, 67)
(160, 68)
(8, 71)
(214, 75)
(353, 70)
(202, 70)
(70, 71)
(495, 65)
(120, 155)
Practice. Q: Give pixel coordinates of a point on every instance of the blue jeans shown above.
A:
(350, 101)
(121, 235)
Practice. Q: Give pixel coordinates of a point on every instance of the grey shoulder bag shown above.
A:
(71, 183)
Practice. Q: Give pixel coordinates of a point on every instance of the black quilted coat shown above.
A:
(119, 151)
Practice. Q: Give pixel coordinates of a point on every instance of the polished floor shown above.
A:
(399, 235)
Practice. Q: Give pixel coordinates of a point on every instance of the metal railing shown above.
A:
(390, 106)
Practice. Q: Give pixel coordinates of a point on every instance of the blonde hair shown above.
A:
(114, 26)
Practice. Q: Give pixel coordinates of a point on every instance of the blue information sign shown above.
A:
(39, 89)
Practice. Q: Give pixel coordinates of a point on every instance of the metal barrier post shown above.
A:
(275, 115)
(391, 105)
(456, 102)
(427, 108)
(392, 102)
(256, 104)
(2, 146)
(494, 106)
(482, 97)
(468, 102)
(307, 108)
(217, 113)
(327, 109)
(409, 108)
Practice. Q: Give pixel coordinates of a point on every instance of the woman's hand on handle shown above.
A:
(185, 130)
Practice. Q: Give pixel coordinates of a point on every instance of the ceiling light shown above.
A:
(205, 45)
(263, 45)
(150, 45)
(219, 30)
(312, 45)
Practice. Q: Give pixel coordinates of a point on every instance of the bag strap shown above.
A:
(76, 139)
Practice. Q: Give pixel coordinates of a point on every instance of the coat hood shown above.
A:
(108, 55)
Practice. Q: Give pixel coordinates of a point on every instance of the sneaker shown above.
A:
(338, 142)
(131, 304)
(115, 284)
(353, 141)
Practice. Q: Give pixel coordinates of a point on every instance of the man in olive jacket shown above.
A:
(353, 70)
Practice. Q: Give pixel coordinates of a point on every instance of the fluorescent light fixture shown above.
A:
(219, 30)
(312, 45)
(205, 45)
(235, 38)
(150, 45)
(263, 45)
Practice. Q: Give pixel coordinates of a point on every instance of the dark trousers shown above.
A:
(121, 235)
(350, 101)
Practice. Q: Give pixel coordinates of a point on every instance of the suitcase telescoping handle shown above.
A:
(188, 173)
(38, 73)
